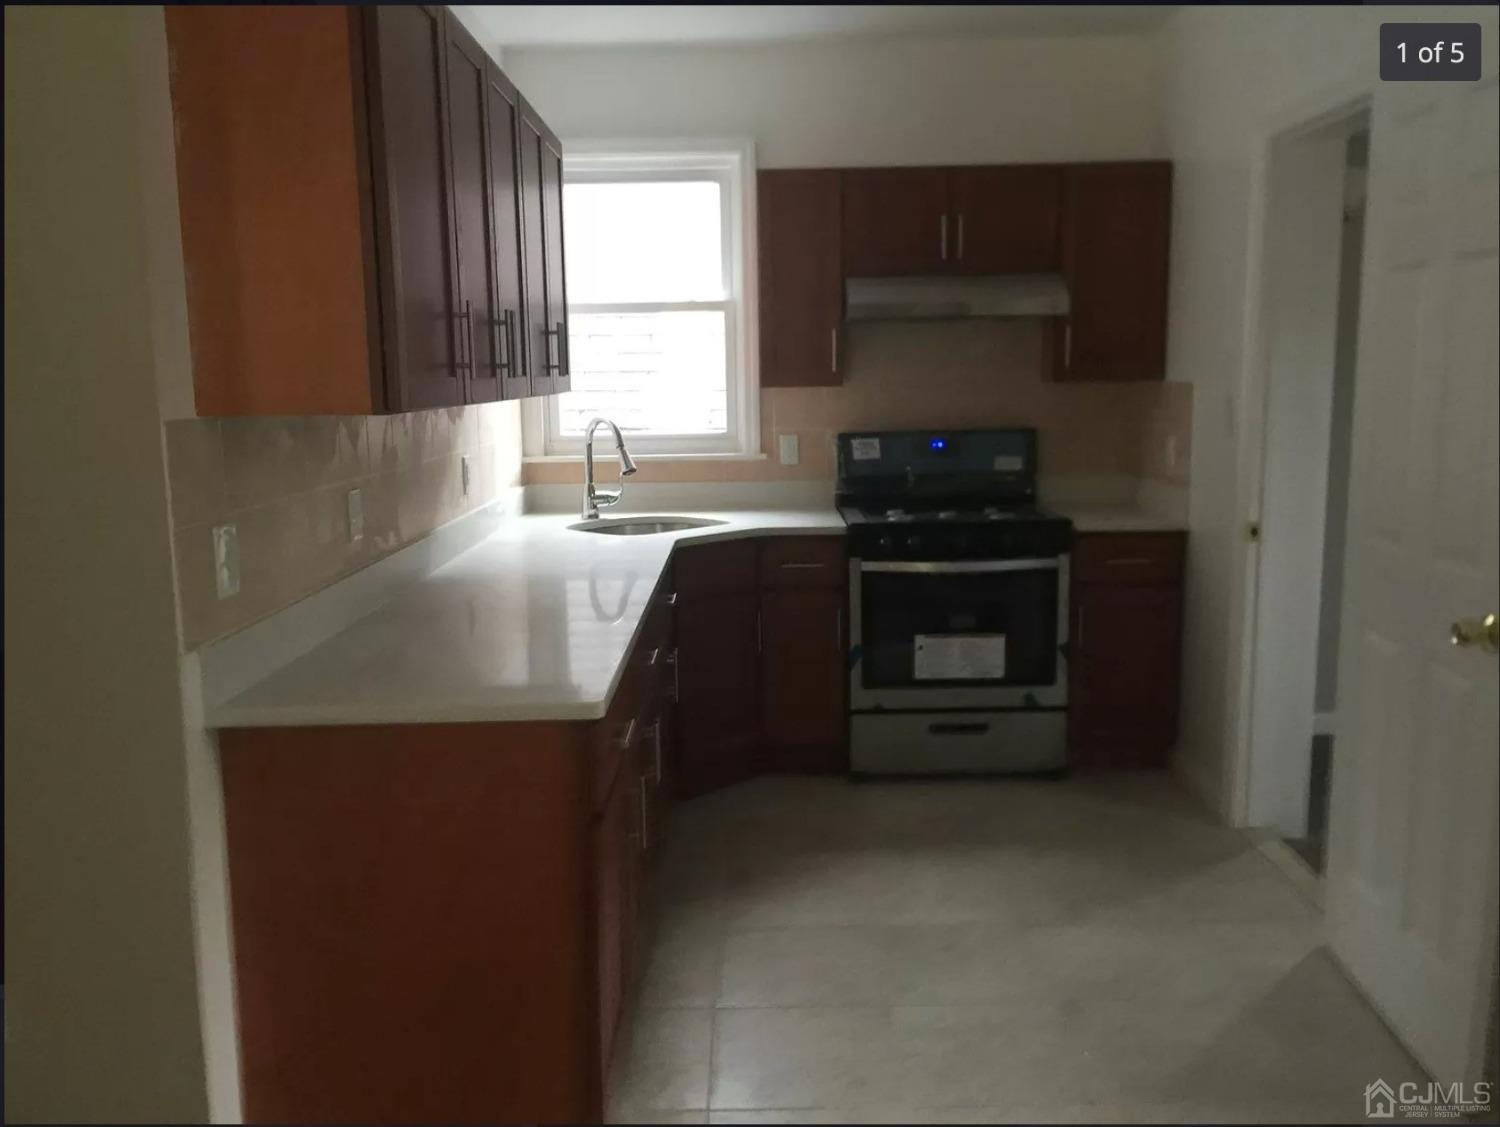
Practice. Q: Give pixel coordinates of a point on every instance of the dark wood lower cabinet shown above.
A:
(1126, 632)
(760, 649)
(803, 713)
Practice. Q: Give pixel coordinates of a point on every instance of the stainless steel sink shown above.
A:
(641, 526)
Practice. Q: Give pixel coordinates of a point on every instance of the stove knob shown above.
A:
(886, 543)
(913, 542)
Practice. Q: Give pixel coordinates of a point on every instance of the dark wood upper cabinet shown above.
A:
(1005, 219)
(553, 265)
(506, 328)
(473, 209)
(896, 222)
(1116, 231)
(801, 277)
(352, 232)
(534, 254)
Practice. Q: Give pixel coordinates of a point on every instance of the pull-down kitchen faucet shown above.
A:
(594, 498)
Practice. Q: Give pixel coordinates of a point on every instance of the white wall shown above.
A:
(102, 1006)
(1231, 76)
(864, 102)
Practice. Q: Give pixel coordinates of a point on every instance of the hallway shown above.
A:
(1040, 950)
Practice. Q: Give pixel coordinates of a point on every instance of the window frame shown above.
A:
(732, 165)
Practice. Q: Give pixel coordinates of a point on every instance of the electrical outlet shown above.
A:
(788, 445)
(356, 505)
(226, 560)
(463, 468)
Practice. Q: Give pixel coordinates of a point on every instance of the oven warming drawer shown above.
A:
(946, 743)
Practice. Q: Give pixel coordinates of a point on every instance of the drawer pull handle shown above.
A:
(671, 600)
(954, 728)
(629, 737)
(808, 566)
(653, 655)
(1128, 561)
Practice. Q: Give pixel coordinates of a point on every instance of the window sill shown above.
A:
(600, 455)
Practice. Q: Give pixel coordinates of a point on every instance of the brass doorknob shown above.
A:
(1482, 632)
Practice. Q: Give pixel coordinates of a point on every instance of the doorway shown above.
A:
(1315, 250)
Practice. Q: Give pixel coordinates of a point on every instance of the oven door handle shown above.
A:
(961, 566)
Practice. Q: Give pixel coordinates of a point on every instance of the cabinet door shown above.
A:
(718, 714)
(1123, 676)
(1116, 229)
(1006, 219)
(612, 849)
(801, 277)
(896, 222)
(469, 144)
(553, 265)
(803, 678)
(413, 207)
(506, 329)
(533, 255)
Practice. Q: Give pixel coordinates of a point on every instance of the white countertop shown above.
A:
(533, 623)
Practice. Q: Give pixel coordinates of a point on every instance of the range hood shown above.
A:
(949, 298)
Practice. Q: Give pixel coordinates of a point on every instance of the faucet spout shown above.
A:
(594, 498)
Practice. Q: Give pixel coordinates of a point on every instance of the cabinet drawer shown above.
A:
(712, 569)
(1128, 557)
(802, 561)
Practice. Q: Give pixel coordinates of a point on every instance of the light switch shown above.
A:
(463, 468)
(226, 560)
(788, 446)
(356, 505)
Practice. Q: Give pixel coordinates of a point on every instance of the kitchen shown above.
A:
(682, 605)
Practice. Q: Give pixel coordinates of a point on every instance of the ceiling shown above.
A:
(600, 25)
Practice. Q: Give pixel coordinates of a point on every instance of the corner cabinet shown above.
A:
(371, 214)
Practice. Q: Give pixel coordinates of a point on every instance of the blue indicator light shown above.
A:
(938, 443)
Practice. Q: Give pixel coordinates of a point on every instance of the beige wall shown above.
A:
(953, 374)
(283, 484)
(101, 999)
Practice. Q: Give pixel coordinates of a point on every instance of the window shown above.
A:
(658, 330)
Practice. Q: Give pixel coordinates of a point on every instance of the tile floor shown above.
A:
(1067, 950)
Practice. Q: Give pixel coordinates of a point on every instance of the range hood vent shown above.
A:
(947, 298)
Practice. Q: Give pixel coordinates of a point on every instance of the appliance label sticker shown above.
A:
(864, 449)
(959, 657)
(1010, 463)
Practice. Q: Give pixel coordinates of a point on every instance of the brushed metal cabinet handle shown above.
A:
(943, 236)
(1128, 561)
(809, 566)
(833, 360)
(1068, 347)
(960, 235)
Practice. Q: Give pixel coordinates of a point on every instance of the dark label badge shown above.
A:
(1429, 52)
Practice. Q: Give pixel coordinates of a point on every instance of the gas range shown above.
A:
(958, 615)
(958, 529)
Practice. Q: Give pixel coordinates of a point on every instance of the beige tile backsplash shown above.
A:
(283, 483)
(953, 374)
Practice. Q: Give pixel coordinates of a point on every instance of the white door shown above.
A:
(1412, 871)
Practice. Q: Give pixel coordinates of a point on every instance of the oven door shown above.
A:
(958, 634)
